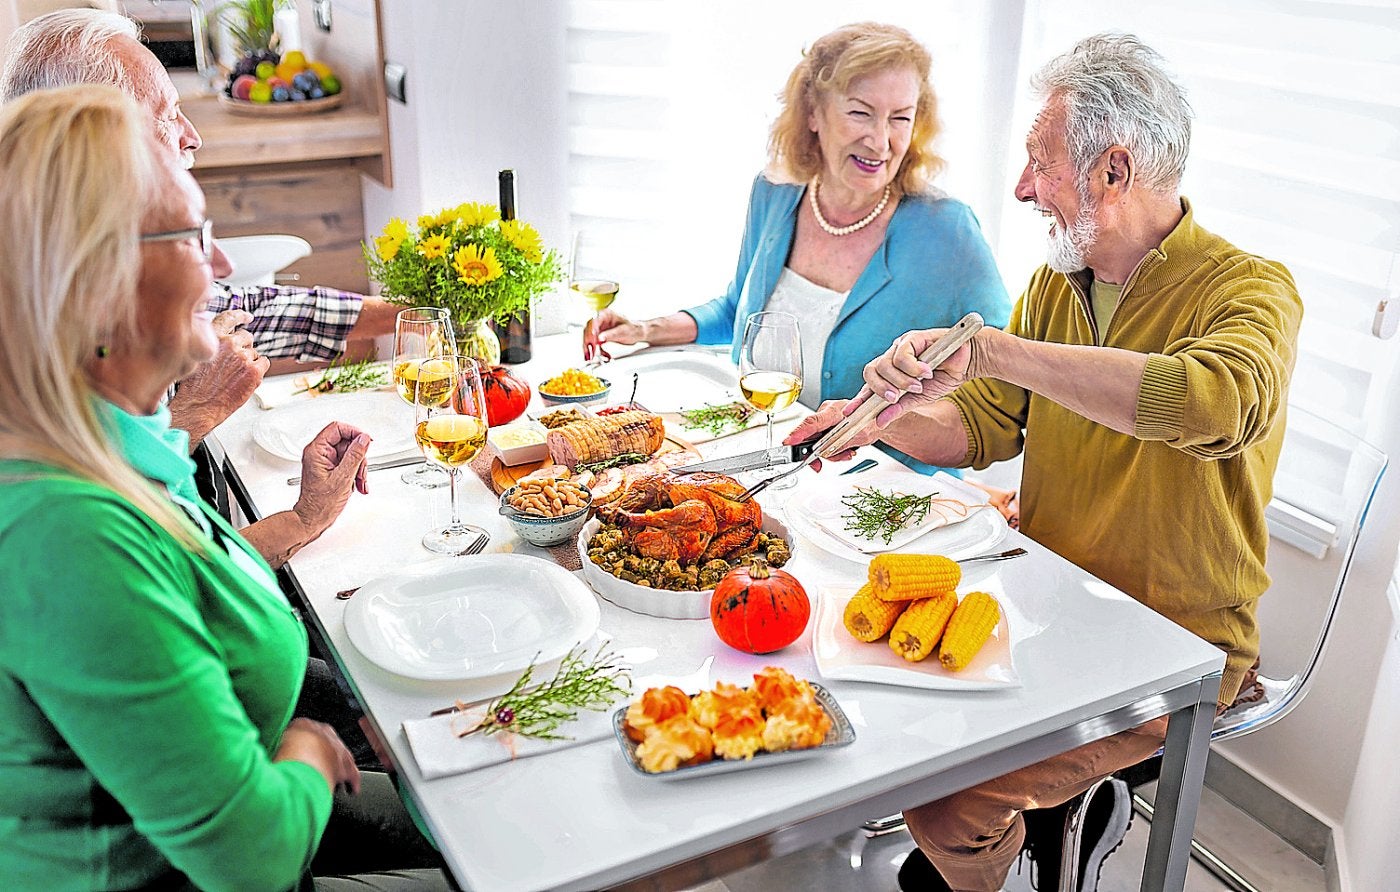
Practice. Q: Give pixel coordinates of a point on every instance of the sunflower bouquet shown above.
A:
(465, 259)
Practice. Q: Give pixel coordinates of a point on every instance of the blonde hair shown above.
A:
(827, 68)
(80, 173)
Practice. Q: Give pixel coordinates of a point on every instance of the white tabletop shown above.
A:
(1091, 660)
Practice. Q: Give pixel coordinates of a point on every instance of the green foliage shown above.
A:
(417, 266)
(249, 22)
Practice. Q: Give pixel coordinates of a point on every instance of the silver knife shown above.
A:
(377, 466)
(750, 461)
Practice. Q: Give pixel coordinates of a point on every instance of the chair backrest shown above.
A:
(256, 258)
(1327, 478)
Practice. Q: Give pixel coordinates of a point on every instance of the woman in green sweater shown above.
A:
(148, 663)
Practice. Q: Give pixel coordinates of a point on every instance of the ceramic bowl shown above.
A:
(550, 399)
(653, 602)
(546, 531)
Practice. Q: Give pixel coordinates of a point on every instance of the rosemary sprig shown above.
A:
(718, 419)
(531, 710)
(346, 378)
(879, 514)
(623, 458)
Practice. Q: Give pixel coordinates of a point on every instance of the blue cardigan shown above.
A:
(932, 269)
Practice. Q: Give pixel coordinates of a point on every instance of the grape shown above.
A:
(316, 93)
(298, 96)
(281, 94)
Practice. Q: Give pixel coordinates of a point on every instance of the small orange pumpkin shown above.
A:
(758, 609)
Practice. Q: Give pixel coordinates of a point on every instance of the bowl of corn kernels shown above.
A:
(574, 386)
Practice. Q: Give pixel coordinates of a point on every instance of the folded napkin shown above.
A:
(440, 752)
(953, 502)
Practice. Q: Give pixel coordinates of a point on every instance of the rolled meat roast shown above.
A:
(596, 439)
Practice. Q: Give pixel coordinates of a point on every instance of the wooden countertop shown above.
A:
(232, 140)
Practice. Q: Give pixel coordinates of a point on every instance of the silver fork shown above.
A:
(476, 547)
(999, 556)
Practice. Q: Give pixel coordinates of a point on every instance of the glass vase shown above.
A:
(477, 340)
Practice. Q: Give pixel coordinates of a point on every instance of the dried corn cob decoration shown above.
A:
(904, 577)
(968, 630)
(918, 629)
(868, 618)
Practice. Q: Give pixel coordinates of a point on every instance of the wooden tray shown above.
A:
(280, 109)
(503, 477)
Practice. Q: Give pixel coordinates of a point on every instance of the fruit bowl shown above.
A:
(280, 109)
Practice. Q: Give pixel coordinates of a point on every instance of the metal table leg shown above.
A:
(1179, 791)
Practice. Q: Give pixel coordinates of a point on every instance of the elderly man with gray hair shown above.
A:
(1144, 376)
(88, 46)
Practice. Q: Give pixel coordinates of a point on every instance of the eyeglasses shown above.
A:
(204, 232)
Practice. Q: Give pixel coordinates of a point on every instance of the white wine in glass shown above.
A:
(421, 333)
(591, 287)
(451, 430)
(770, 367)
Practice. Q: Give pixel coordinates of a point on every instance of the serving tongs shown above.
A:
(842, 432)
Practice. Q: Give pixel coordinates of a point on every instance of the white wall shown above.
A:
(485, 91)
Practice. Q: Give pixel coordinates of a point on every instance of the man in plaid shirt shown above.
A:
(254, 324)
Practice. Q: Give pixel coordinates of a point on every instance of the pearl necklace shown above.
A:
(854, 227)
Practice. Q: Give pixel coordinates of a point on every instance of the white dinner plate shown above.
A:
(841, 656)
(286, 430)
(816, 512)
(471, 617)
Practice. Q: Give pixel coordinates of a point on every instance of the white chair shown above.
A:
(1335, 475)
(256, 258)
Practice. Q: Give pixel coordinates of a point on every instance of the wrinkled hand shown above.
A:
(317, 744)
(610, 326)
(900, 378)
(819, 422)
(332, 465)
(219, 386)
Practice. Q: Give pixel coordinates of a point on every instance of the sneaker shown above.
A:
(917, 874)
(1106, 824)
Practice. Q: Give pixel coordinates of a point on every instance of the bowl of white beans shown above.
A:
(546, 512)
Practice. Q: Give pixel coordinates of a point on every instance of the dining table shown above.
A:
(1083, 661)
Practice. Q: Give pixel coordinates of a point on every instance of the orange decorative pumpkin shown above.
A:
(758, 609)
(506, 396)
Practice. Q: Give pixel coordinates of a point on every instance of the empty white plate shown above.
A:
(286, 430)
(471, 617)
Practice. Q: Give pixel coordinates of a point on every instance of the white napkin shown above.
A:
(440, 752)
(953, 503)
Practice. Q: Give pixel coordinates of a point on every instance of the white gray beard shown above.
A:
(187, 159)
(1069, 248)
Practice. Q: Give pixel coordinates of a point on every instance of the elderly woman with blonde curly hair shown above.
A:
(844, 229)
(148, 663)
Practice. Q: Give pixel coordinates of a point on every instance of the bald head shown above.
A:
(88, 46)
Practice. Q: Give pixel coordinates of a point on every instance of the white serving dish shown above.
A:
(455, 619)
(518, 455)
(653, 602)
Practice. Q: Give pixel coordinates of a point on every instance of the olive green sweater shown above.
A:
(1174, 514)
(143, 690)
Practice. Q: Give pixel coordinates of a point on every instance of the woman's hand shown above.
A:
(317, 745)
(332, 465)
(612, 327)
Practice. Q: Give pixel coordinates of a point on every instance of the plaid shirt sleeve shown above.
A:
(311, 324)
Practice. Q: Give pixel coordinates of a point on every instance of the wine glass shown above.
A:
(770, 367)
(449, 406)
(591, 287)
(420, 333)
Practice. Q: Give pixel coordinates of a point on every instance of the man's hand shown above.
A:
(900, 378)
(332, 465)
(819, 422)
(216, 388)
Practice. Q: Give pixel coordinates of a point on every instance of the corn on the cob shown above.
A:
(868, 618)
(921, 625)
(968, 630)
(904, 577)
